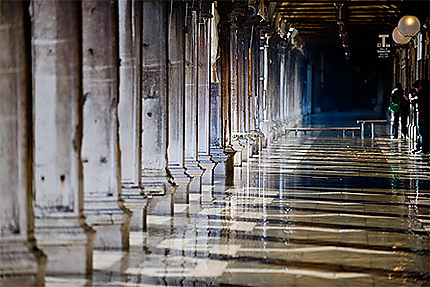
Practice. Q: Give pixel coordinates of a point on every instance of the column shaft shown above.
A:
(176, 84)
(155, 179)
(203, 94)
(191, 113)
(129, 99)
(226, 170)
(57, 112)
(216, 103)
(100, 146)
(129, 109)
(21, 263)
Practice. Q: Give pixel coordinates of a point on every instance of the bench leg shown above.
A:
(372, 126)
(362, 130)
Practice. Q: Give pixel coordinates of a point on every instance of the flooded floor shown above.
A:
(312, 210)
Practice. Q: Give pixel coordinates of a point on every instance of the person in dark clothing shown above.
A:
(396, 96)
(404, 113)
(422, 99)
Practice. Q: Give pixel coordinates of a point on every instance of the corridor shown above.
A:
(312, 210)
(203, 142)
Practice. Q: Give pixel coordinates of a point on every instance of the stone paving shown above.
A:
(313, 210)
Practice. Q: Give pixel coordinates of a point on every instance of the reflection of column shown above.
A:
(154, 115)
(191, 114)
(203, 92)
(59, 220)
(129, 109)
(21, 263)
(100, 151)
(176, 107)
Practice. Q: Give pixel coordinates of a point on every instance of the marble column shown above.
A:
(176, 60)
(192, 164)
(283, 83)
(236, 85)
(264, 75)
(21, 262)
(155, 179)
(203, 94)
(129, 109)
(60, 226)
(216, 123)
(225, 167)
(247, 141)
(103, 205)
(272, 89)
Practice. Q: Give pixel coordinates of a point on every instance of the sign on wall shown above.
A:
(383, 46)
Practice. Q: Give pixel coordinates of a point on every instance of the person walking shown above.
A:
(396, 96)
(422, 99)
(404, 113)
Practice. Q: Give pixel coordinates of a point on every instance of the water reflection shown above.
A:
(312, 210)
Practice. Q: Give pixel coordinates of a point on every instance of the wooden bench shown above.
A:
(372, 126)
(343, 129)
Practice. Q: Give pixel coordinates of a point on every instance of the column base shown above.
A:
(21, 263)
(247, 144)
(61, 238)
(160, 190)
(196, 172)
(110, 220)
(224, 169)
(182, 181)
(208, 164)
(136, 201)
(238, 147)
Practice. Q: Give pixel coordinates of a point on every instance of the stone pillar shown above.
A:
(253, 81)
(60, 227)
(264, 77)
(236, 83)
(129, 109)
(203, 94)
(272, 89)
(155, 179)
(216, 121)
(284, 86)
(246, 141)
(176, 152)
(225, 160)
(191, 113)
(100, 145)
(21, 263)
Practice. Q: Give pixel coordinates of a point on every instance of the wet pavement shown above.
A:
(312, 210)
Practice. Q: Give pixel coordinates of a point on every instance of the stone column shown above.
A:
(253, 81)
(176, 152)
(264, 77)
(129, 109)
(225, 160)
(216, 120)
(60, 226)
(100, 145)
(191, 113)
(272, 89)
(203, 94)
(236, 83)
(155, 179)
(247, 141)
(21, 263)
